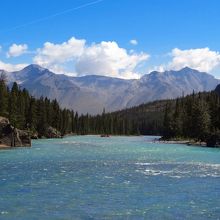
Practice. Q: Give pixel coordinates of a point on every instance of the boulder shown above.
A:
(12, 137)
(34, 134)
(52, 133)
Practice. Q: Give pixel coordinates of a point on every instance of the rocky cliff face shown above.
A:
(12, 137)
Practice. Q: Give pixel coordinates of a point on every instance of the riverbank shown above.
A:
(12, 137)
(2, 146)
(6, 147)
(185, 141)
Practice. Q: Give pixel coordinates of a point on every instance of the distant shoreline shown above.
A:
(2, 146)
(186, 142)
(189, 143)
(6, 147)
(156, 140)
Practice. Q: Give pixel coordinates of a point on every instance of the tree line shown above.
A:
(195, 116)
(29, 113)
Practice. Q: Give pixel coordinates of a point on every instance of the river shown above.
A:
(89, 177)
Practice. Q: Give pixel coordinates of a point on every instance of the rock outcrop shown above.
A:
(52, 133)
(12, 137)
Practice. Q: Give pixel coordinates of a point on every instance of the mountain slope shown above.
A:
(93, 93)
(170, 84)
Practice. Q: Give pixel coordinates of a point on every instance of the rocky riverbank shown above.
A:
(12, 137)
(187, 142)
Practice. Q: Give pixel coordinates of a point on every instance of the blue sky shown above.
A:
(169, 34)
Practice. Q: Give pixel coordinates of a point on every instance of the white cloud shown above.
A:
(11, 67)
(16, 50)
(52, 54)
(202, 59)
(105, 58)
(75, 57)
(160, 68)
(134, 42)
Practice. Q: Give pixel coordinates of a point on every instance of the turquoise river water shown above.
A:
(89, 177)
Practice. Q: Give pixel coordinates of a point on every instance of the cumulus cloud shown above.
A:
(202, 59)
(77, 58)
(52, 54)
(105, 58)
(11, 67)
(16, 50)
(134, 42)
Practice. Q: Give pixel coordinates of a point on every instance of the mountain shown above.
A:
(93, 93)
(170, 84)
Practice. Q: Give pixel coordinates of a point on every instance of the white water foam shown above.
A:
(179, 169)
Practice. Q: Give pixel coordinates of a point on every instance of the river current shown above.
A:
(89, 177)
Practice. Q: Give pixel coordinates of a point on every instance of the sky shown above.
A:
(118, 38)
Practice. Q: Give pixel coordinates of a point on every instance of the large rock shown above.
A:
(52, 133)
(4, 122)
(12, 137)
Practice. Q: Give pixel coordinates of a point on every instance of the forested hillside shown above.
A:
(27, 112)
(92, 93)
(195, 116)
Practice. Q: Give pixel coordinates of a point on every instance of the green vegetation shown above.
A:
(27, 112)
(196, 116)
(36, 115)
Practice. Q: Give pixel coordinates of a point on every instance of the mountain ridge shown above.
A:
(92, 93)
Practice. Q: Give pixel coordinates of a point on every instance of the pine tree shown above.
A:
(177, 120)
(167, 124)
(41, 116)
(76, 123)
(13, 103)
(3, 96)
(31, 117)
(201, 120)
